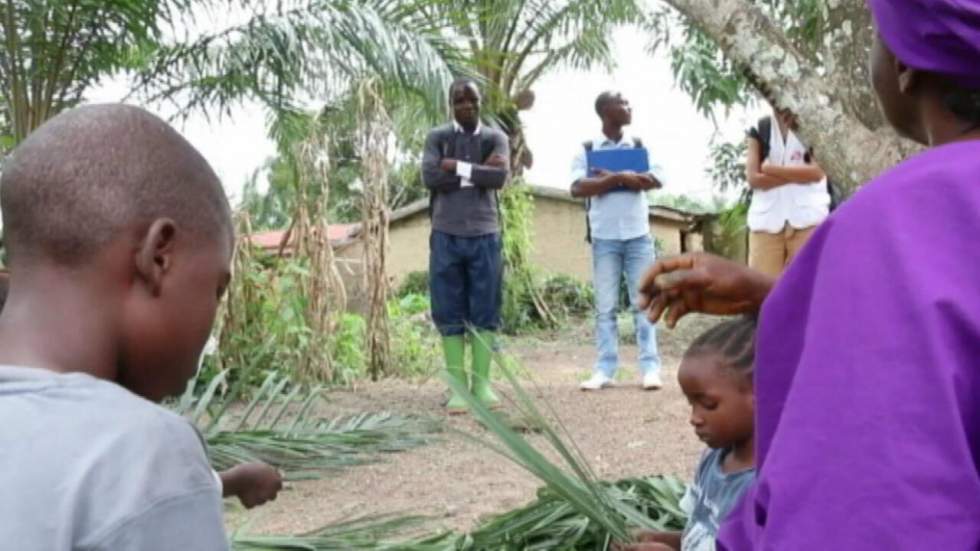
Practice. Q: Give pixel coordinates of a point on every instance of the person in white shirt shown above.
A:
(619, 230)
(789, 193)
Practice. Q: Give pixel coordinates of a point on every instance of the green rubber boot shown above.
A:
(482, 359)
(454, 349)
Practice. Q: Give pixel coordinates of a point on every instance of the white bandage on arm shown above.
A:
(465, 172)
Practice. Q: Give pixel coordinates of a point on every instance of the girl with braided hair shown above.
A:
(716, 377)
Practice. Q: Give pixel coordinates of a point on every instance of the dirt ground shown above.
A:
(622, 431)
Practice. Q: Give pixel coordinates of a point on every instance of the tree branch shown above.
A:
(58, 63)
(18, 95)
(851, 153)
(509, 37)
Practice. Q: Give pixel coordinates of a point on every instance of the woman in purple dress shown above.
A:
(868, 352)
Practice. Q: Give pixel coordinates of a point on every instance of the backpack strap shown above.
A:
(764, 128)
(763, 131)
(486, 148)
(588, 202)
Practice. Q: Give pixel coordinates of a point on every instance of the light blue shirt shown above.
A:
(709, 499)
(620, 214)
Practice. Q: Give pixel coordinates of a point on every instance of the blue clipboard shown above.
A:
(635, 159)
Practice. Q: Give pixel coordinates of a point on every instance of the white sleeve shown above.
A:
(579, 166)
(464, 170)
(217, 479)
(688, 500)
(658, 172)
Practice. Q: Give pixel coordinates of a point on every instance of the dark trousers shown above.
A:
(465, 278)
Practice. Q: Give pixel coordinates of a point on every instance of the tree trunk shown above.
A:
(850, 151)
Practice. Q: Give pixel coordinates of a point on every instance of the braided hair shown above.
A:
(733, 340)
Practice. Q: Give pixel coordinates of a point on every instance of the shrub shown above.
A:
(414, 341)
(567, 297)
(415, 283)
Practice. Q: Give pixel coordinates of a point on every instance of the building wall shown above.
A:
(408, 252)
(559, 237)
(559, 245)
(409, 239)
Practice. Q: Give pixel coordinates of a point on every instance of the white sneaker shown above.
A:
(597, 381)
(652, 381)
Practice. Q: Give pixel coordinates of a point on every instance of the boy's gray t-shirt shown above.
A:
(86, 465)
(709, 499)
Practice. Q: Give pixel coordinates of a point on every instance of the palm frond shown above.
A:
(374, 533)
(550, 522)
(278, 426)
(53, 52)
(309, 48)
(575, 483)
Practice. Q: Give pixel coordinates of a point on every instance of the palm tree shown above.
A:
(56, 50)
(511, 44)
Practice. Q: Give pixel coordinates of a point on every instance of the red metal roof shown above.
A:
(270, 240)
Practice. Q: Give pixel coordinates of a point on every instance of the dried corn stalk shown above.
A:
(322, 285)
(375, 131)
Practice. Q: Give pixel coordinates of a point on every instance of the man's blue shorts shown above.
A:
(465, 278)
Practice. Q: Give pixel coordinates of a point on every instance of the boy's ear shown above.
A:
(155, 255)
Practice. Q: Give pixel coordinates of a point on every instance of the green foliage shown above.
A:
(552, 522)
(806, 22)
(276, 53)
(505, 33)
(277, 337)
(348, 345)
(683, 202)
(365, 534)
(268, 324)
(415, 283)
(608, 516)
(727, 167)
(54, 51)
(699, 68)
(714, 82)
(522, 306)
(414, 342)
(272, 208)
(303, 48)
(549, 522)
(729, 236)
(567, 297)
(279, 426)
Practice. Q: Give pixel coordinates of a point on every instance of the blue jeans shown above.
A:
(611, 260)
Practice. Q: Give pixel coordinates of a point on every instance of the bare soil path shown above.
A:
(622, 431)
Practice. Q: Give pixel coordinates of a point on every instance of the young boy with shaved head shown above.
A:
(119, 239)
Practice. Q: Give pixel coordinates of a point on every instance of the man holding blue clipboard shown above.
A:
(613, 173)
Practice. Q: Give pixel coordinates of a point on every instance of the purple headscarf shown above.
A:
(938, 36)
